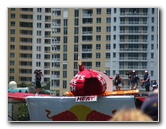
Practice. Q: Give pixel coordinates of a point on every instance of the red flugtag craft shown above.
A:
(87, 82)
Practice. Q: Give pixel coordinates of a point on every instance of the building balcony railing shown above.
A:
(133, 40)
(133, 13)
(133, 31)
(133, 67)
(87, 32)
(133, 58)
(86, 50)
(133, 49)
(55, 76)
(133, 22)
(55, 42)
(55, 59)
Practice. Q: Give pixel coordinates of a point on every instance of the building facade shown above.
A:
(106, 39)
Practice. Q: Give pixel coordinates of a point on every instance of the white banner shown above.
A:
(67, 109)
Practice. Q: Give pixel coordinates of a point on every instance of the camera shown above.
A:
(128, 73)
(37, 71)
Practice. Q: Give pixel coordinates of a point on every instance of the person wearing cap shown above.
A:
(117, 81)
(146, 82)
(133, 80)
(150, 106)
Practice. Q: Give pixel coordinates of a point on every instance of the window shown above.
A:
(75, 48)
(64, 74)
(108, 20)
(12, 63)
(114, 46)
(75, 39)
(64, 84)
(108, 46)
(152, 37)
(109, 11)
(97, 64)
(13, 9)
(152, 55)
(39, 33)
(75, 56)
(64, 48)
(12, 55)
(76, 22)
(12, 47)
(11, 70)
(152, 28)
(38, 64)
(98, 11)
(152, 19)
(39, 17)
(114, 28)
(38, 48)
(152, 46)
(76, 13)
(98, 20)
(64, 66)
(98, 37)
(12, 39)
(114, 19)
(38, 56)
(76, 30)
(97, 55)
(38, 40)
(152, 10)
(38, 25)
(12, 31)
(65, 22)
(114, 10)
(39, 9)
(151, 73)
(114, 37)
(107, 55)
(98, 46)
(108, 28)
(114, 55)
(108, 37)
(98, 29)
(12, 23)
(12, 16)
(65, 39)
(65, 57)
(65, 31)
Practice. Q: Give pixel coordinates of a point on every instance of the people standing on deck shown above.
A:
(133, 80)
(118, 81)
(146, 82)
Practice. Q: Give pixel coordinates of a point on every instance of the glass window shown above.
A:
(12, 23)
(64, 66)
(98, 20)
(65, 39)
(152, 28)
(75, 39)
(65, 31)
(114, 19)
(12, 47)
(108, 20)
(75, 56)
(109, 11)
(108, 37)
(76, 30)
(108, 46)
(12, 63)
(39, 9)
(152, 10)
(64, 74)
(64, 48)
(97, 55)
(114, 10)
(114, 28)
(98, 37)
(76, 22)
(108, 28)
(107, 55)
(65, 22)
(114, 46)
(152, 46)
(76, 13)
(12, 39)
(38, 25)
(114, 55)
(12, 16)
(97, 64)
(152, 37)
(12, 31)
(64, 57)
(152, 55)
(152, 19)
(98, 29)
(75, 48)
(64, 84)
(98, 11)
(114, 37)
(98, 46)
(12, 55)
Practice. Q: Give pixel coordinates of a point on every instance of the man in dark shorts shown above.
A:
(146, 82)
(38, 78)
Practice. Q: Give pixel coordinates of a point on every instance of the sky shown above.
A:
(5, 4)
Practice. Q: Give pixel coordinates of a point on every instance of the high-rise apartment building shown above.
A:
(106, 39)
